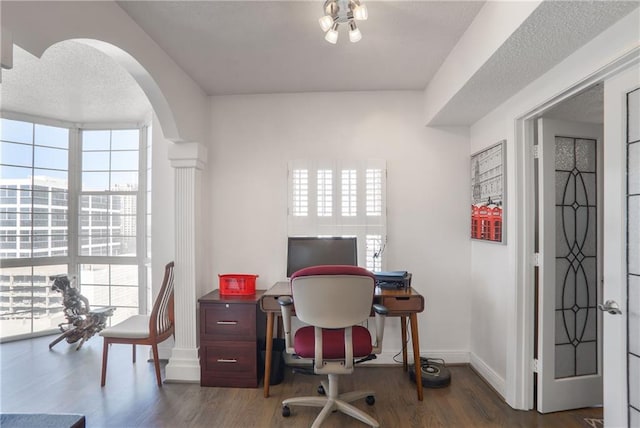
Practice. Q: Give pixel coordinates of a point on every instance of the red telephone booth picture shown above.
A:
(495, 228)
(475, 222)
(486, 222)
(487, 193)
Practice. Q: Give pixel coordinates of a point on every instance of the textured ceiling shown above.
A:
(72, 82)
(253, 47)
(237, 47)
(587, 106)
(552, 32)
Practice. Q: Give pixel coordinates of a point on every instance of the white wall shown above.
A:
(496, 330)
(163, 217)
(162, 206)
(253, 138)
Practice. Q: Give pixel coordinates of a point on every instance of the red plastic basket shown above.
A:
(237, 284)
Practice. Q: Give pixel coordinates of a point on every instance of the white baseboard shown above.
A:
(488, 374)
(184, 366)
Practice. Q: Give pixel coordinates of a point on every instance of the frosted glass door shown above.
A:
(569, 324)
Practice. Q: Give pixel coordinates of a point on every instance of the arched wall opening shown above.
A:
(146, 81)
(104, 62)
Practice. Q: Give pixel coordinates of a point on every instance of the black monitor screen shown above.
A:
(303, 252)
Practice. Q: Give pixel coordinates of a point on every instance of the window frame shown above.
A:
(73, 260)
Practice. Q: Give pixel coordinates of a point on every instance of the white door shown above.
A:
(569, 371)
(622, 267)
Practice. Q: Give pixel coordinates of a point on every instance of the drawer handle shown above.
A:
(402, 298)
(227, 360)
(227, 322)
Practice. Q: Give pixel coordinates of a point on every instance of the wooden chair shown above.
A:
(145, 329)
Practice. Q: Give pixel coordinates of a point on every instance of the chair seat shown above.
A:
(332, 342)
(135, 327)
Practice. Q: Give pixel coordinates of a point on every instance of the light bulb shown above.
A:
(326, 22)
(354, 34)
(332, 34)
(360, 12)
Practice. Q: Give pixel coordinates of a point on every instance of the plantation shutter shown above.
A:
(340, 198)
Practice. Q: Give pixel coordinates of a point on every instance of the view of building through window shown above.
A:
(57, 216)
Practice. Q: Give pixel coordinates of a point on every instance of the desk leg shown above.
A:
(267, 354)
(403, 328)
(416, 353)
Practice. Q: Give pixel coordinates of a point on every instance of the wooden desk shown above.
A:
(400, 303)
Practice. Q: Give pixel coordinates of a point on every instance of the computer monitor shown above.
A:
(303, 252)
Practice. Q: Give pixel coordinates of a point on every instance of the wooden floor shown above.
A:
(34, 379)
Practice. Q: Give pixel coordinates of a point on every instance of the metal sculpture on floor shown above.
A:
(82, 322)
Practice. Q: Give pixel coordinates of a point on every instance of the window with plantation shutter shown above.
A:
(325, 192)
(349, 193)
(300, 189)
(340, 198)
(374, 192)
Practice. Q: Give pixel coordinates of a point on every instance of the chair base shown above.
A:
(334, 402)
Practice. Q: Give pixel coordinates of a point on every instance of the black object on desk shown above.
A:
(392, 280)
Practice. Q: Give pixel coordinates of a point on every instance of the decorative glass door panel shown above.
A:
(576, 344)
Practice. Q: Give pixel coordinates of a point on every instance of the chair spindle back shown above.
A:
(161, 322)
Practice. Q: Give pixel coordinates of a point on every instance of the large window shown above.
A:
(340, 199)
(108, 199)
(34, 189)
(70, 202)
(113, 269)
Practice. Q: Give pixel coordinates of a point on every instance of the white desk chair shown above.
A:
(333, 300)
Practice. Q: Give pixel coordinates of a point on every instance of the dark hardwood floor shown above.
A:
(34, 379)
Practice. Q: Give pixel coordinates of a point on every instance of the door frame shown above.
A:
(616, 327)
(520, 346)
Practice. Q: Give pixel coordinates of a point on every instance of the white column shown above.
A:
(189, 160)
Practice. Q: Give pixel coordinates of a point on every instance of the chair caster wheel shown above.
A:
(370, 400)
(321, 390)
(286, 411)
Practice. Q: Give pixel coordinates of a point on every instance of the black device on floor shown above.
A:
(434, 371)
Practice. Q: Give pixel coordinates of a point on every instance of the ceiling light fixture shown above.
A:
(342, 12)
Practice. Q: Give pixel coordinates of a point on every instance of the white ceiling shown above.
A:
(240, 47)
(256, 47)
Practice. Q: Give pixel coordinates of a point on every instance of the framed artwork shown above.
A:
(488, 193)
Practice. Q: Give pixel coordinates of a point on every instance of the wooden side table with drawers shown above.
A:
(232, 333)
